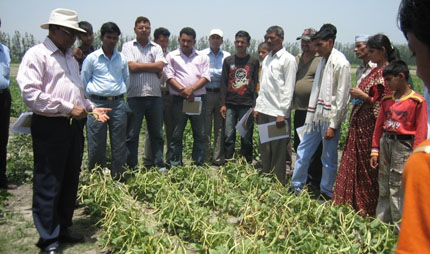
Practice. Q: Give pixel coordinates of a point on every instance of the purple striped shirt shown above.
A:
(187, 70)
(49, 81)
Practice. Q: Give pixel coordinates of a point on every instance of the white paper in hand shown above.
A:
(269, 132)
(244, 124)
(23, 124)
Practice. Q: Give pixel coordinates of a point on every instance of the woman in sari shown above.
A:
(357, 182)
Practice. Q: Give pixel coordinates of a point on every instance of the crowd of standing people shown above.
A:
(109, 91)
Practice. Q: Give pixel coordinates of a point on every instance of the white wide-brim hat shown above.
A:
(63, 17)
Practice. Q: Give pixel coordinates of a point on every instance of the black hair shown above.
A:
(141, 19)
(161, 31)
(277, 30)
(264, 45)
(243, 34)
(188, 31)
(86, 26)
(414, 17)
(109, 27)
(395, 68)
(379, 41)
(326, 32)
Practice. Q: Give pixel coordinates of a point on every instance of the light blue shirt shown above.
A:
(4, 66)
(215, 66)
(103, 76)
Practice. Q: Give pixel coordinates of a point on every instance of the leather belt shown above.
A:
(398, 136)
(106, 98)
(213, 90)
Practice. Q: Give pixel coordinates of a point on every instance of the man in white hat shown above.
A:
(51, 87)
(216, 56)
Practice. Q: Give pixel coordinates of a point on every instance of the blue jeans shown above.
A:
(97, 136)
(306, 150)
(180, 119)
(151, 108)
(233, 115)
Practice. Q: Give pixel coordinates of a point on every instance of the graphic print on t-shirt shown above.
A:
(395, 118)
(239, 79)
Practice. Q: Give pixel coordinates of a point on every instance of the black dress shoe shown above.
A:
(51, 250)
(68, 237)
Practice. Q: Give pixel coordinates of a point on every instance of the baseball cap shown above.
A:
(307, 34)
(217, 32)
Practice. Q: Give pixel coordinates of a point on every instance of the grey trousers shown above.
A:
(392, 157)
(215, 155)
(273, 153)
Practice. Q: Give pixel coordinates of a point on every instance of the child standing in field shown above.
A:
(401, 126)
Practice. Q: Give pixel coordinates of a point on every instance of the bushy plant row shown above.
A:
(231, 210)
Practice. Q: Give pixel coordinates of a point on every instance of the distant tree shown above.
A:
(405, 54)
(28, 41)
(16, 49)
(19, 44)
(292, 47)
(173, 42)
(5, 39)
(202, 43)
(228, 46)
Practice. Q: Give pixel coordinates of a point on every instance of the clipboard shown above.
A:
(192, 108)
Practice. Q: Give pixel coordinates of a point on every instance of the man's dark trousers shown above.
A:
(57, 146)
(5, 101)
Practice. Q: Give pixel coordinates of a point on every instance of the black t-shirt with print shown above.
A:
(239, 80)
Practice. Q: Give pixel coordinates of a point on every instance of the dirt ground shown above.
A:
(18, 234)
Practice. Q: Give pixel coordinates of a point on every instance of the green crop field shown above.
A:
(231, 209)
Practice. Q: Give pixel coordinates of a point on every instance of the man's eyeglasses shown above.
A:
(71, 33)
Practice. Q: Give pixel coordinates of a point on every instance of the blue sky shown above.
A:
(350, 17)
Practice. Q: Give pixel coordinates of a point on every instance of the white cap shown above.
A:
(363, 37)
(217, 32)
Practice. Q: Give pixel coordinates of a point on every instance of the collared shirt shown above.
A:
(4, 66)
(363, 71)
(163, 80)
(103, 76)
(143, 83)
(277, 84)
(49, 81)
(215, 66)
(404, 116)
(187, 70)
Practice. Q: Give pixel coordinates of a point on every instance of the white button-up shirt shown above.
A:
(278, 78)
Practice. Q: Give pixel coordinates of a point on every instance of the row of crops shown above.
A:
(233, 209)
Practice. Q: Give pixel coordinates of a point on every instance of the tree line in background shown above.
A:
(19, 43)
